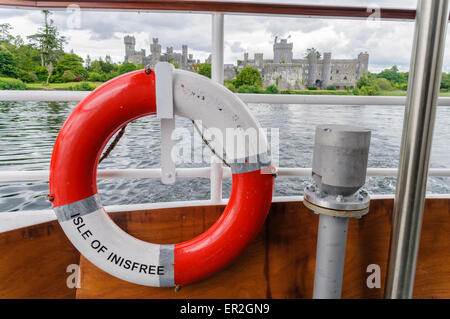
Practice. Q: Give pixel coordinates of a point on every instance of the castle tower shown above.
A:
(312, 69)
(326, 70)
(130, 45)
(245, 59)
(259, 60)
(363, 64)
(155, 49)
(184, 56)
(282, 51)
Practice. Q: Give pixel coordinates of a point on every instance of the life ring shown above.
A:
(73, 186)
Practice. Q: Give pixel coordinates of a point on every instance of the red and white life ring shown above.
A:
(73, 186)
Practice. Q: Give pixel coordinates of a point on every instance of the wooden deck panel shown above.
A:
(278, 264)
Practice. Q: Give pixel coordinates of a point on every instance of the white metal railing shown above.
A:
(76, 96)
(202, 172)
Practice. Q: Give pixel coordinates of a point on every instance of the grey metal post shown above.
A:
(423, 90)
(338, 173)
(330, 257)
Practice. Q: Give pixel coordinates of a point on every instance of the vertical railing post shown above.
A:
(217, 75)
(418, 125)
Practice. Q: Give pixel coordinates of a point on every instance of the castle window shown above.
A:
(337, 71)
(345, 77)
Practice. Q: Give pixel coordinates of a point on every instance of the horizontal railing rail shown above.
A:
(202, 172)
(76, 96)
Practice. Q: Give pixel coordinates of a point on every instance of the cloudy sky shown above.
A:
(99, 33)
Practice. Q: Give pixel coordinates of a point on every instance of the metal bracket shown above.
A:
(165, 112)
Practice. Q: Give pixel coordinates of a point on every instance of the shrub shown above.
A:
(78, 79)
(27, 77)
(11, 84)
(127, 67)
(205, 69)
(331, 87)
(82, 86)
(272, 89)
(55, 79)
(248, 89)
(248, 76)
(68, 76)
(231, 87)
(41, 73)
(384, 84)
(8, 64)
(312, 88)
(94, 76)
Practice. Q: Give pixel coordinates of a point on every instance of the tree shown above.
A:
(88, 63)
(397, 79)
(205, 69)
(71, 62)
(445, 81)
(127, 67)
(8, 64)
(248, 76)
(367, 85)
(5, 36)
(49, 43)
(68, 76)
(311, 51)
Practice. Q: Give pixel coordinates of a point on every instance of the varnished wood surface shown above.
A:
(33, 262)
(278, 264)
(277, 8)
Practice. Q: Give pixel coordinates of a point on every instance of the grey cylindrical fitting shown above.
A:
(340, 158)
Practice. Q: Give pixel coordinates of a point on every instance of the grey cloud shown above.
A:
(235, 47)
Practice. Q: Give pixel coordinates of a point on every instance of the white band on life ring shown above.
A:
(102, 242)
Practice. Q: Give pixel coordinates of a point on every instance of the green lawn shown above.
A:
(59, 86)
(403, 93)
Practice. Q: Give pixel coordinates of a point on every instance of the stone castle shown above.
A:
(288, 73)
(283, 70)
(183, 60)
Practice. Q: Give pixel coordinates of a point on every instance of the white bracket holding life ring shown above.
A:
(165, 113)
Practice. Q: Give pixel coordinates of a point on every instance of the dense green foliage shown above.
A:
(8, 64)
(312, 51)
(11, 84)
(68, 68)
(205, 69)
(398, 80)
(445, 82)
(248, 76)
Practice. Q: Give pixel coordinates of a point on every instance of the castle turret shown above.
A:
(130, 46)
(363, 64)
(184, 56)
(259, 60)
(312, 68)
(282, 51)
(245, 59)
(326, 70)
(155, 49)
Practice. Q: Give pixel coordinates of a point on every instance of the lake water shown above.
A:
(28, 131)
